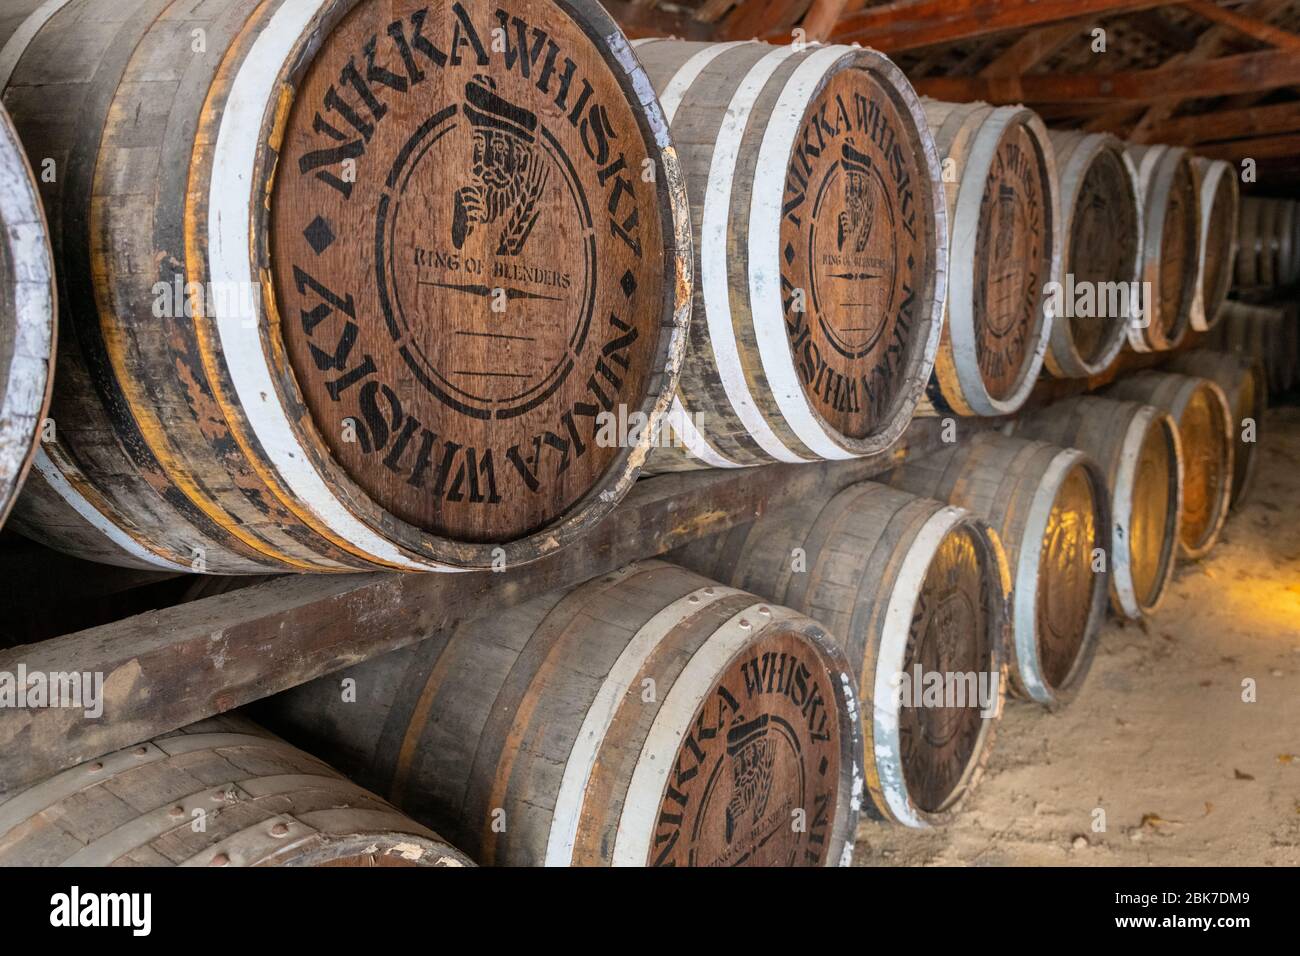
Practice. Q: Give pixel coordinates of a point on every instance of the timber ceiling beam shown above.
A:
(1244, 73)
(911, 24)
(1255, 121)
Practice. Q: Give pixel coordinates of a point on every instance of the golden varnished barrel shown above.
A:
(916, 592)
(648, 717)
(1138, 448)
(346, 285)
(1051, 510)
(1204, 418)
(1244, 382)
(222, 792)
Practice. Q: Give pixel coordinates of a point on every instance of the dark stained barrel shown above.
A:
(648, 717)
(1051, 510)
(1171, 244)
(222, 792)
(27, 310)
(1219, 198)
(1204, 418)
(1001, 188)
(1138, 448)
(1101, 244)
(347, 285)
(916, 591)
(820, 239)
(1244, 383)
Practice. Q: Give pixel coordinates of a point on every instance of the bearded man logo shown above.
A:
(860, 197)
(509, 171)
(751, 771)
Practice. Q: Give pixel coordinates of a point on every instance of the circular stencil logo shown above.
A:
(486, 238)
(756, 781)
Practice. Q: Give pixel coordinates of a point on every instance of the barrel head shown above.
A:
(952, 633)
(1103, 249)
(857, 257)
(1013, 260)
(1178, 252)
(1066, 606)
(1154, 519)
(760, 773)
(468, 259)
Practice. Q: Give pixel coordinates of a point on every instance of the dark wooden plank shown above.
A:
(1247, 72)
(169, 668)
(911, 24)
(639, 20)
(1254, 121)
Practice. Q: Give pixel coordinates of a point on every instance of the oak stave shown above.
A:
(1138, 448)
(1003, 207)
(1101, 242)
(309, 418)
(780, 203)
(1171, 241)
(874, 559)
(1038, 498)
(541, 719)
(263, 803)
(1204, 418)
(1219, 197)
(27, 316)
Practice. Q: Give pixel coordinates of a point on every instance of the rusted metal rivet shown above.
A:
(765, 611)
(176, 811)
(220, 859)
(97, 766)
(744, 623)
(279, 830)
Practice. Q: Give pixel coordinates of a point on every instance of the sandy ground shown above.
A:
(1159, 737)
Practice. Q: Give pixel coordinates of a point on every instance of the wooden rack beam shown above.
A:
(169, 668)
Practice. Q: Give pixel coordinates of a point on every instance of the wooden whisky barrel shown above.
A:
(910, 588)
(1205, 431)
(1219, 199)
(1101, 244)
(1244, 383)
(27, 297)
(1268, 237)
(1138, 448)
(393, 265)
(1050, 508)
(648, 717)
(1170, 246)
(1260, 333)
(222, 792)
(1001, 188)
(820, 245)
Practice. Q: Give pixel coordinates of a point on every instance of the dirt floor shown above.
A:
(1159, 737)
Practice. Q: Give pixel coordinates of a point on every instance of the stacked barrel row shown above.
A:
(1268, 243)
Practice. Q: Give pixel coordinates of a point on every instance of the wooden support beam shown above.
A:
(769, 18)
(171, 667)
(1035, 46)
(1263, 147)
(1243, 23)
(1256, 121)
(911, 24)
(1245, 73)
(821, 18)
(643, 20)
